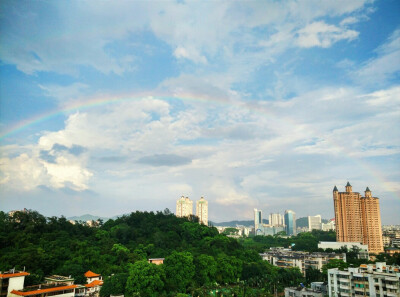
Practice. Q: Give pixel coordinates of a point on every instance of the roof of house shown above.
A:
(94, 283)
(41, 291)
(15, 274)
(91, 274)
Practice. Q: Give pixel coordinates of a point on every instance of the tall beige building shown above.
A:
(202, 211)
(184, 207)
(357, 218)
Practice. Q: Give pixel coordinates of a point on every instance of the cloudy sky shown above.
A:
(116, 106)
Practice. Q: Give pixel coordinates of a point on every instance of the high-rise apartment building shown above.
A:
(290, 222)
(357, 218)
(202, 211)
(314, 223)
(276, 219)
(184, 207)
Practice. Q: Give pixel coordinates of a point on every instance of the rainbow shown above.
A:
(99, 101)
(107, 100)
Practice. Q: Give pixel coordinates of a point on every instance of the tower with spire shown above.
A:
(358, 218)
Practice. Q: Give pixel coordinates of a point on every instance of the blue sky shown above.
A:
(115, 106)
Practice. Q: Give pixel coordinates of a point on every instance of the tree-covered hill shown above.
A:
(197, 257)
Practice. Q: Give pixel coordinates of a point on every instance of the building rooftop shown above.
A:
(91, 274)
(12, 273)
(40, 289)
(59, 278)
(94, 283)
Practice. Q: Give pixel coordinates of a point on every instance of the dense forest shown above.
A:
(198, 260)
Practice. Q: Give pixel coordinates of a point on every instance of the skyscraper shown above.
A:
(314, 223)
(358, 219)
(276, 219)
(290, 222)
(184, 207)
(202, 211)
(257, 219)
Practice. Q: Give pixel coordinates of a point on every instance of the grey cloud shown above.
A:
(164, 160)
(45, 155)
(113, 159)
(75, 150)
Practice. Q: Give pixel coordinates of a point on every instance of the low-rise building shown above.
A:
(46, 290)
(328, 226)
(286, 258)
(58, 279)
(302, 292)
(377, 280)
(156, 261)
(94, 283)
(11, 280)
(392, 251)
(334, 245)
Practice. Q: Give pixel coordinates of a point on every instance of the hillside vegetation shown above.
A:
(197, 258)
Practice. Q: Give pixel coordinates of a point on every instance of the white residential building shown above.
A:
(314, 223)
(375, 280)
(328, 226)
(302, 292)
(184, 207)
(362, 248)
(202, 211)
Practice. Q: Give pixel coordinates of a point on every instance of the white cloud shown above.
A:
(65, 94)
(385, 65)
(28, 171)
(190, 54)
(88, 32)
(323, 35)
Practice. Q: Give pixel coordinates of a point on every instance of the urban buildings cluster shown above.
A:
(184, 208)
(277, 223)
(286, 258)
(358, 218)
(12, 285)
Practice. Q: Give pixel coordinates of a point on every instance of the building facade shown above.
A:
(290, 222)
(276, 219)
(329, 226)
(334, 245)
(257, 219)
(11, 280)
(377, 280)
(314, 223)
(286, 258)
(358, 218)
(302, 292)
(202, 211)
(184, 207)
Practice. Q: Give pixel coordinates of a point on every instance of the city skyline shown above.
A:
(107, 108)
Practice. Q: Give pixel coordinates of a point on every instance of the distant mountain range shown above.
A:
(249, 223)
(300, 222)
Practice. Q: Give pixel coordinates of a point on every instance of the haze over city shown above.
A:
(112, 107)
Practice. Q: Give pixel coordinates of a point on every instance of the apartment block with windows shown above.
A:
(357, 218)
(375, 280)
